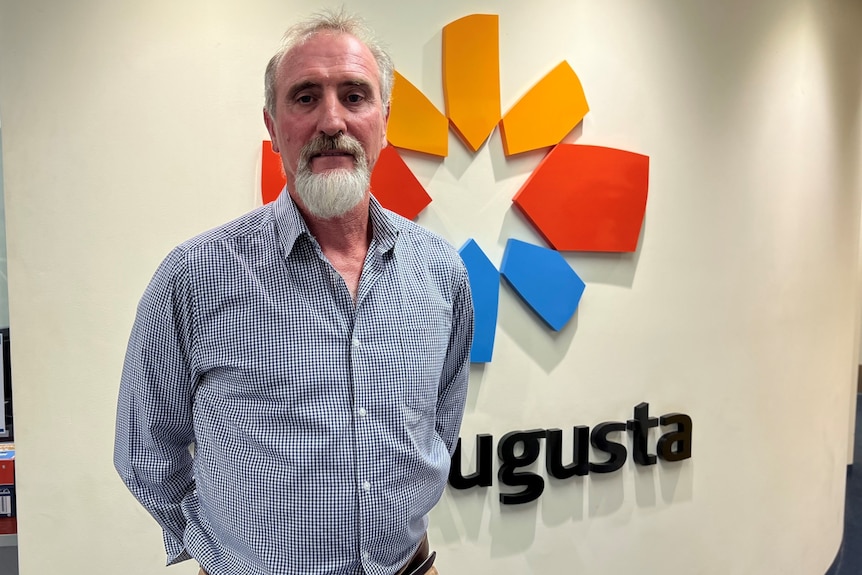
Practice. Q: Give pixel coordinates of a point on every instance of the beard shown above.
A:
(334, 192)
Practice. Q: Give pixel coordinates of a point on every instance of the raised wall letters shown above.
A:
(533, 484)
(682, 437)
(484, 456)
(580, 452)
(672, 446)
(640, 426)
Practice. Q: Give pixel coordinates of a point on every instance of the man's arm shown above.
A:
(154, 419)
(456, 366)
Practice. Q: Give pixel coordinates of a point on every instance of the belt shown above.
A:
(421, 561)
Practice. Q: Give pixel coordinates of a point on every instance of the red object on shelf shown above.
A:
(7, 487)
(7, 472)
(8, 525)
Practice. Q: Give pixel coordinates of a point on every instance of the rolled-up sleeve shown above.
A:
(154, 421)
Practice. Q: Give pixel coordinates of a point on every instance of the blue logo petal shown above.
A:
(544, 279)
(485, 285)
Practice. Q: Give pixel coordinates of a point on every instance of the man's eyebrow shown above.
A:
(364, 85)
(297, 88)
(309, 85)
(357, 84)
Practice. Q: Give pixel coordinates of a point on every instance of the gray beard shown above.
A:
(333, 193)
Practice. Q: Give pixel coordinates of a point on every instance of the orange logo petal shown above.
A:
(414, 123)
(550, 110)
(471, 77)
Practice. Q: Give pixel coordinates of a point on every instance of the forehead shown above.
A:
(329, 57)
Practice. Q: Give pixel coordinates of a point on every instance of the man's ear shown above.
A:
(385, 126)
(270, 127)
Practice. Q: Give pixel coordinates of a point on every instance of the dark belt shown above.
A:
(421, 561)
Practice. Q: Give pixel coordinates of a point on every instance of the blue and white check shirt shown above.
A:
(322, 429)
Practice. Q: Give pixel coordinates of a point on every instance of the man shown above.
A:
(313, 354)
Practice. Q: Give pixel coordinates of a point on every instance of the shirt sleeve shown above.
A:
(154, 421)
(456, 366)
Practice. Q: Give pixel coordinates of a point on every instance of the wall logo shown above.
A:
(518, 450)
(579, 197)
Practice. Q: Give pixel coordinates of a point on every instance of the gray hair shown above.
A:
(330, 21)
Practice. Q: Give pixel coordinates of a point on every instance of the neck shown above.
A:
(343, 240)
(345, 233)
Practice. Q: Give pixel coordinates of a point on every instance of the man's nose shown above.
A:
(332, 116)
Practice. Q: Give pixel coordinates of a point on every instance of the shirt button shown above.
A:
(362, 412)
(355, 342)
(366, 486)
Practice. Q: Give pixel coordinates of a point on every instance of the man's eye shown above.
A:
(354, 98)
(306, 99)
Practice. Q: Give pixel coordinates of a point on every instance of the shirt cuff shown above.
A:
(174, 549)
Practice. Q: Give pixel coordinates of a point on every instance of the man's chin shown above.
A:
(329, 211)
(332, 194)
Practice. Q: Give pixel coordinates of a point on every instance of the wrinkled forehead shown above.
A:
(325, 53)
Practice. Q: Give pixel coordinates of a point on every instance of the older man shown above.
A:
(312, 355)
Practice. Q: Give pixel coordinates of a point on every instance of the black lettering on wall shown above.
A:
(483, 475)
(640, 426)
(681, 438)
(520, 449)
(617, 451)
(580, 452)
(533, 484)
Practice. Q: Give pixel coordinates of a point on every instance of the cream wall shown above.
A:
(4, 286)
(129, 126)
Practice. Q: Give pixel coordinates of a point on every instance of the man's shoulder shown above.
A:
(421, 235)
(421, 244)
(249, 225)
(234, 237)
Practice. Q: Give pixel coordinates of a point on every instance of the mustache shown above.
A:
(338, 143)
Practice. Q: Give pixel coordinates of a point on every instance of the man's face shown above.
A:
(327, 85)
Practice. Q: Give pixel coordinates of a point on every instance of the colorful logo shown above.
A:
(579, 198)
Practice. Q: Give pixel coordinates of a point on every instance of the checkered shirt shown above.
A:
(271, 425)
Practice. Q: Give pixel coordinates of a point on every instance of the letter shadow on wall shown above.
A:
(520, 484)
(566, 465)
(461, 515)
(674, 478)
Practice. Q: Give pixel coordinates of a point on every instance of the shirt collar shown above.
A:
(384, 225)
(290, 224)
